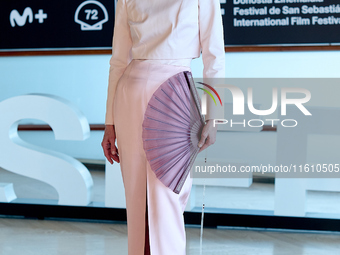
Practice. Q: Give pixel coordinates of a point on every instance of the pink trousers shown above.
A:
(146, 197)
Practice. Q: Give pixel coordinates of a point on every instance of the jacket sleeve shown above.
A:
(121, 56)
(212, 46)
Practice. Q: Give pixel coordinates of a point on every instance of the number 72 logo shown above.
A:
(91, 15)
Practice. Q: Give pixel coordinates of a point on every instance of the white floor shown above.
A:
(55, 237)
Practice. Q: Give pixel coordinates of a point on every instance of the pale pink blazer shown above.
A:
(166, 29)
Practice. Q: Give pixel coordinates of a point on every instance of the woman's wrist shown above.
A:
(209, 120)
(109, 126)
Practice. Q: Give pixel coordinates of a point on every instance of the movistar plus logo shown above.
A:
(20, 20)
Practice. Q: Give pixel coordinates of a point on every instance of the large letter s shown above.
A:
(68, 176)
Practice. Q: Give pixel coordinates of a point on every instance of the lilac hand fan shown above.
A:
(172, 128)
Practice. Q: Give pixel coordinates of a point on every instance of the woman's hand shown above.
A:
(208, 136)
(108, 144)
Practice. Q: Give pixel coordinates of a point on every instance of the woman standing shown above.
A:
(154, 40)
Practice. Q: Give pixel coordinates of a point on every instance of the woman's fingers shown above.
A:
(109, 147)
(202, 143)
(114, 151)
(116, 158)
(115, 154)
(204, 136)
(107, 151)
(209, 141)
(208, 136)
